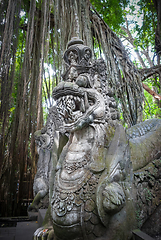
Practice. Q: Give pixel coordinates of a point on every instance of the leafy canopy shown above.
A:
(111, 11)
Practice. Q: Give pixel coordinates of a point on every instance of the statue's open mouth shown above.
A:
(77, 106)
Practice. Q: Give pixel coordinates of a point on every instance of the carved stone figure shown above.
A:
(92, 156)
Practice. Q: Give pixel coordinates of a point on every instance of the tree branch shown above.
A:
(130, 39)
(151, 92)
(148, 72)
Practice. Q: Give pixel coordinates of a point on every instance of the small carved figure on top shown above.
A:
(77, 58)
(77, 54)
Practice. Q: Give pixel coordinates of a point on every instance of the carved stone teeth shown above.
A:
(82, 106)
(77, 99)
(67, 97)
(86, 101)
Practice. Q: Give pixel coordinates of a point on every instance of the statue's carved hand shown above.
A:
(44, 233)
(114, 197)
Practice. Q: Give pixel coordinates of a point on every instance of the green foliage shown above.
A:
(148, 195)
(138, 213)
(151, 109)
(144, 23)
(111, 11)
(141, 22)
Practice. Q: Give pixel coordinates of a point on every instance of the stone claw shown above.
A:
(44, 234)
(114, 197)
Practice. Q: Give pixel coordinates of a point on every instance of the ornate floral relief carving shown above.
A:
(84, 193)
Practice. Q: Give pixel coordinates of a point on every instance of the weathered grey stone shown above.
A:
(93, 193)
(147, 198)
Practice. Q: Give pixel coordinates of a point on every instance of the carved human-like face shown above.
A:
(87, 55)
(72, 57)
(78, 106)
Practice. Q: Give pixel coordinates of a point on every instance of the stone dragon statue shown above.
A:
(88, 158)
